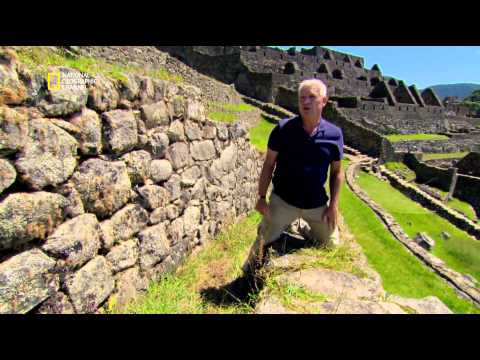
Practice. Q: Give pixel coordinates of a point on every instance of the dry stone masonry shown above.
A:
(107, 187)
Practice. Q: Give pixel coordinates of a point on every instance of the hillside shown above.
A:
(459, 90)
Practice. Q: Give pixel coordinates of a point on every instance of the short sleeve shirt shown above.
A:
(303, 161)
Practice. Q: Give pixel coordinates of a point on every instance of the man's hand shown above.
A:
(262, 208)
(330, 216)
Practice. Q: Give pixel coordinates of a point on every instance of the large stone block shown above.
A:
(155, 115)
(126, 222)
(123, 256)
(26, 281)
(7, 175)
(191, 219)
(193, 131)
(13, 130)
(202, 150)
(178, 154)
(12, 91)
(102, 94)
(48, 156)
(25, 217)
(191, 175)
(173, 185)
(75, 204)
(160, 170)
(90, 136)
(130, 284)
(154, 245)
(157, 143)
(129, 87)
(90, 285)
(120, 130)
(153, 196)
(75, 242)
(176, 131)
(138, 166)
(103, 186)
(68, 99)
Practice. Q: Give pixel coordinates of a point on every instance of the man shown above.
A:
(301, 149)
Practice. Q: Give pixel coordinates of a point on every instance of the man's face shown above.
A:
(311, 102)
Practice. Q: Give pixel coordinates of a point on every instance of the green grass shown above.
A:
(455, 155)
(215, 265)
(461, 252)
(259, 134)
(399, 137)
(226, 112)
(402, 273)
(38, 59)
(459, 205)
(401, 168)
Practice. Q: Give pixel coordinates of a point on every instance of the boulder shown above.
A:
(13, 130)
(103, 186)
(123, 256)
(48, 156)
(155, 115)
(160, 170)
(125, 223)
(57, 304)
(154, 245)
(26, 281)
(12, 91)
(176, 131)
(178, 154)
(25, 217)
(90, 136)
(153, 196)
(102, 94)
(157, 143)
(75, 242)
(120, 131)
(202, 150)
(138, 165)
(90, 285)
(129, 285)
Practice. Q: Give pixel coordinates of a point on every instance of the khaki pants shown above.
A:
(282, 215)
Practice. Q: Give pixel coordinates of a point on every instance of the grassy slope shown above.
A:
(409, 175)
(460, 252)
(402, 273)
(39, 59)
(215, 265)
(226, 112)
(260, 133)
(434, 156)
(397, 137)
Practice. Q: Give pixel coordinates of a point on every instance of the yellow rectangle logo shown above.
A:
(53, 81)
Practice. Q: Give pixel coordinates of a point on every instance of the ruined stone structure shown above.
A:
(367, 96)
(107, 186)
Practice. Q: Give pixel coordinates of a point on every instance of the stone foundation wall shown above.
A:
(108, 186)
(467, 187)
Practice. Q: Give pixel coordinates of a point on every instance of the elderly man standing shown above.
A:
(300, 150)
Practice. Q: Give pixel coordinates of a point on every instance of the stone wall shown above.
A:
(357, 136)
(108, 186)
(467, 187)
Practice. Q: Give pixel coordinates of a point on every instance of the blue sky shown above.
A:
(420, 65)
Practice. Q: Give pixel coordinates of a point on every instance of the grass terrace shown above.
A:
(460, 252)
(227, 112)
(456, 155)
(38, 59)
(259, 134)
(413, 137)
(402, 273)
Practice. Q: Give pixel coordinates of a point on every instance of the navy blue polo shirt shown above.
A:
(303, 161)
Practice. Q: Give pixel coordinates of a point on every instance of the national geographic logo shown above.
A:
(68, 80)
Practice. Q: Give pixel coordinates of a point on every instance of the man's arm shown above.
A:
(336, 181)
(264, 181)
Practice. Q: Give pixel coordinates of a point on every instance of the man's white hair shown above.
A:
(314, 83)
